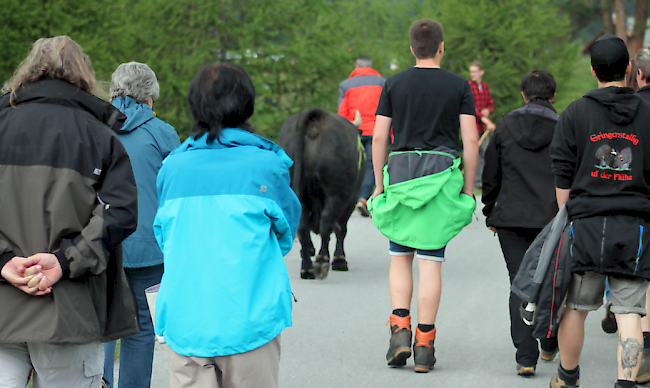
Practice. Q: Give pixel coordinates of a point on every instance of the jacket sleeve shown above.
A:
(489, 98)
(114, 218)
(491, 177)
(291, 208)
(564, 152)
(344, 110)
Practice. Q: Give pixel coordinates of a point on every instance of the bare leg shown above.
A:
(571, 337)
(400, 281)
(630, 345)
(645, 321)
(429, 290)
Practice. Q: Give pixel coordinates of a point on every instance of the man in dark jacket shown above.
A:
(68, 200)
(519, 196)
(602, 172)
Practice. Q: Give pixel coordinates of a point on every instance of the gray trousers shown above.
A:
(54, 366)
(258, 368)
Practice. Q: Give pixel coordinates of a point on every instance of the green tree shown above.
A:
(96, 26)
(510, 38)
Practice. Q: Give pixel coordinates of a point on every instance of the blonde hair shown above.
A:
(55, 58)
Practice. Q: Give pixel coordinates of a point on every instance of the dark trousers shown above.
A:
(514, 242)
(369, 180)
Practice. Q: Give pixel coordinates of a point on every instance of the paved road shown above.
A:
(339, 337)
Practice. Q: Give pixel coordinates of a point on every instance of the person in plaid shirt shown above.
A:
(484, 105)
(483, 101)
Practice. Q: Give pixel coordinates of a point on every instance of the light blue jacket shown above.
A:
(148, 140)
(226, 218)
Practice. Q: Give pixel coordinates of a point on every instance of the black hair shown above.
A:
(221, 96)
(425, 37)
(538, 85)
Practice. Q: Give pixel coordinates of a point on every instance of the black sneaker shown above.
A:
(525, 371)
(399, 349)
(362, 206)
(609, 321)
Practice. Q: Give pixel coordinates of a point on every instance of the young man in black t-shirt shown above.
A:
(425, 106)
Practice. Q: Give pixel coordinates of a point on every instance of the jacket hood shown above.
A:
(136, 114)
(621, 104)
(364, 71)
(529, 125)
(64, 93)
(233, 137)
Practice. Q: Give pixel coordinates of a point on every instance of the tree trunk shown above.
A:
(606, 14)
(621, 19)
(635, 41)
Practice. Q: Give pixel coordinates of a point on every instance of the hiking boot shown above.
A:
(399, 348)
(557, 382)
(609, 321)
(362, 207)
(423, 351)
(525, 371)
(548, 355)
(644, 369)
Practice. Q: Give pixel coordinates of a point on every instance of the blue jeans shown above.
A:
(136, 351)
(369, 180)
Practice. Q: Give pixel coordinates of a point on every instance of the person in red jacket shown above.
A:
(360, 92)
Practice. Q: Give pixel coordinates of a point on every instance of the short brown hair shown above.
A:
(55, 58)
(477, 64)
(425, 37)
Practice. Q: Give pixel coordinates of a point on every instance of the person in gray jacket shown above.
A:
(148, 140)
(68, 199)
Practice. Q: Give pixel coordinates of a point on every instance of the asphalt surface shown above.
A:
(339, 336)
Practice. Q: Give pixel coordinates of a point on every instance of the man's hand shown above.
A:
(485, 112)
(51, 267)
(378, 190)
(489, 125)
(25, 274)
(492, 229)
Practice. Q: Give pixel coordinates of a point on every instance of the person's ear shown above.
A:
(552, 98)
(524, 97)
(593, 73)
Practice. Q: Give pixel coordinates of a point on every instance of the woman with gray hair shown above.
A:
(147, 140)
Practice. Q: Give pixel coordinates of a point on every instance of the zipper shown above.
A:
(638, 253)
(572, 238)
(602, 244)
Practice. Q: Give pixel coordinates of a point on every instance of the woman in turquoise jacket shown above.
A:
(226, 218)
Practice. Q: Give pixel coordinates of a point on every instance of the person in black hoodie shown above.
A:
(601, 162)
(519, 196)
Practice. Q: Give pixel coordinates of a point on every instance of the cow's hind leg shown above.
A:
(322, 264)
(331, 213)
(307, 250)
(339, 263)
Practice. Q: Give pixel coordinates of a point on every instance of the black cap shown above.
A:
(609, 58)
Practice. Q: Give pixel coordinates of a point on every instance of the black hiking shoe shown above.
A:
(424, 351)
(557, 382)
(399, 348)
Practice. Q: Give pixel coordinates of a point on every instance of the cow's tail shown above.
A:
(306, 117)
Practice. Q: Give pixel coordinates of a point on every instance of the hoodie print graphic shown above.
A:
(610, 158)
